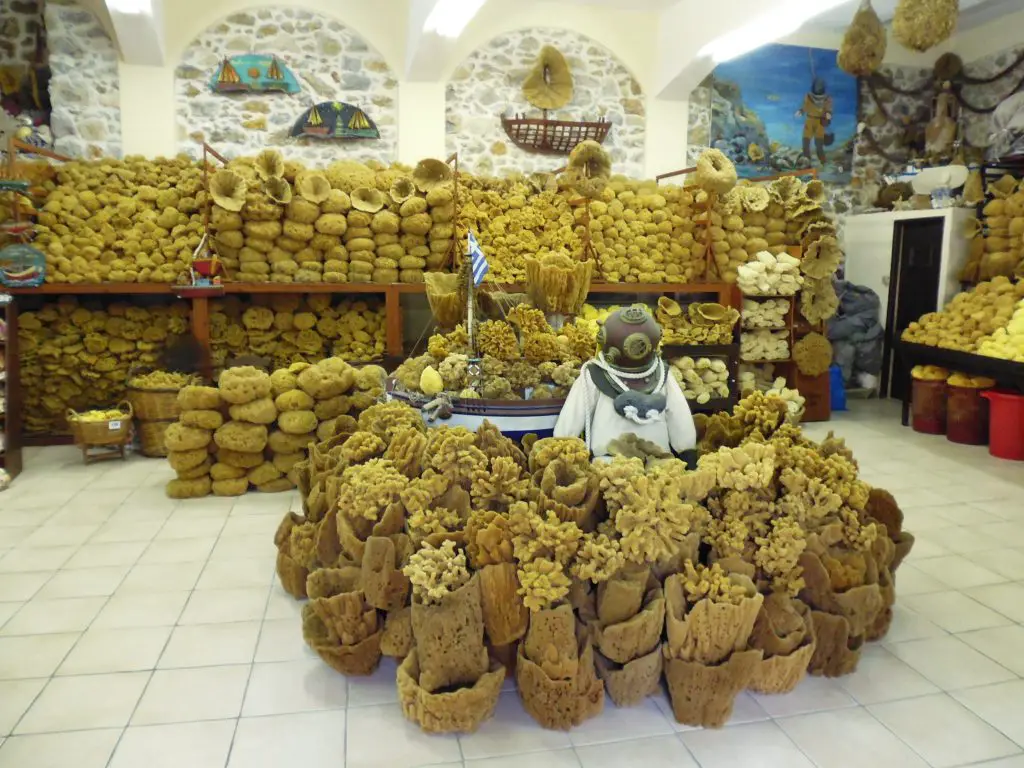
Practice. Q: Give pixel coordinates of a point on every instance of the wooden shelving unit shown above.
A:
(10, 391)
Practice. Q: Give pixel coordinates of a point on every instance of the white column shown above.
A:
(667, 123)
(421, 121)
(148, 120)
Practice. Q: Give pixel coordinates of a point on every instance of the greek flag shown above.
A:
(477, 260)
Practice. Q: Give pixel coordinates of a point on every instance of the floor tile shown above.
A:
(950, 663)
(116, 650)
(40, 617)
(943, 731)
(170, 577)
(880, 676)
(225, 605)
(1008, 599)
(405, 745)
(241, 547)
(849, 739)
(85, 582)
(913, 581)
(184, 745)
(209, 645)
(762, 744)
(282, 641)
(287, 687)
(106, 553)
(33, 655)
(1011, 534)
(161, 609)
(813, 694)
(1000, 705)
(907, 625)
(113, 533)
(189, 695)
(655, 752)
(178, 551)
(1003, 645)
(190, 528)
(56, 535)
(963, 540)
(1006, 562)
(85, 702)
(235, 574)
(511, 732)
(563, 758)
(956, 571)
(955, 612)
(282, 605)
(22, 586)
(87, 749)
(309, 738)
(378, 688)
(27, 558)
(16, 696)
(617, 723)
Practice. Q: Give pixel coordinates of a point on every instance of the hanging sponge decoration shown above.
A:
(549, 84)
(864, 43)
(923, 24)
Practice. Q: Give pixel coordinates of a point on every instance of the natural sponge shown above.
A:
(260, 411)
(178, 437)
(297, 422)
(196, 398)
(240, 436)
(244, 384)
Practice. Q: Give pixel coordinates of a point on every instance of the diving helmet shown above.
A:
(629, 337)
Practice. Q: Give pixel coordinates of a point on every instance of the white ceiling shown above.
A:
(972, 12)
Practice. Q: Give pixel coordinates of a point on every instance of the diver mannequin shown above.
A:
(627, 389)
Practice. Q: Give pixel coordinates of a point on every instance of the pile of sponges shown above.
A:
(701, 379)
(253, 427)
(770, 275)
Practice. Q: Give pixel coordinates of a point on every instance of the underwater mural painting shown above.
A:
(785, 107)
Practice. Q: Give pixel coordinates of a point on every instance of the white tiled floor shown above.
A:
(139, 632)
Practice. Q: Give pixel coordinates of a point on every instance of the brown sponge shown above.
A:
(631, 683)
(784, 632)
(702, 695)
(561, 704)
(236, 487)
(259, 411)
(189, 489)
(201, 419)
(397, 639)
(636, 636)
(178, 437)
(707, 632)
(837, 652)
(359, 659)
(243, 384)
(860, 606)
(450, 639)
(195, 398)
(505, 616)
(239, 436)
(184, 460)
(458, 711)
(243, 460)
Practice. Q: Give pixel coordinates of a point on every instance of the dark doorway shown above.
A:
(913, 290)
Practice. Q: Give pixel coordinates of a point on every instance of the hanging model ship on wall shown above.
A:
(253, 73)
(549, 86)
(334, 120)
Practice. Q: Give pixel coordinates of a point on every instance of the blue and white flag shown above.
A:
(478, 261)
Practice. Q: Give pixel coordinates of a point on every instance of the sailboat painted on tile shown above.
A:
(253, 73)
(335, 120)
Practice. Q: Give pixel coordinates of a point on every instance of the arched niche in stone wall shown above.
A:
(85, 85)
(488, 83)
(331, 62)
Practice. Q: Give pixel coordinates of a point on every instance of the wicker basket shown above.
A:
(152, 404)
(109, 436)
(151, 437)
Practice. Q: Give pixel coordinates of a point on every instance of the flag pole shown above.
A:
(470, 288)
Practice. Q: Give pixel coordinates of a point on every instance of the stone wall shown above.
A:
(978, 127)
(488, 84)
(84, 83)
(19, 22)
(331, 63)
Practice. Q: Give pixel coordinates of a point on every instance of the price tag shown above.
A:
(5, 298)
(114, 425)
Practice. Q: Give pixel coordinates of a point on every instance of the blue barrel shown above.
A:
(837, 387)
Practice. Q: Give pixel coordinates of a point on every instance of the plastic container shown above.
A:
(1006, 435)
(837, 388)
(928, 406)
(966, 416)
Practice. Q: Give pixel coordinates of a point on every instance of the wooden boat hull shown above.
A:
(515, 418)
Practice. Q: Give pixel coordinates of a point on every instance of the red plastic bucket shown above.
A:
(1006, 433)
(928, 405)
(966, 416)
